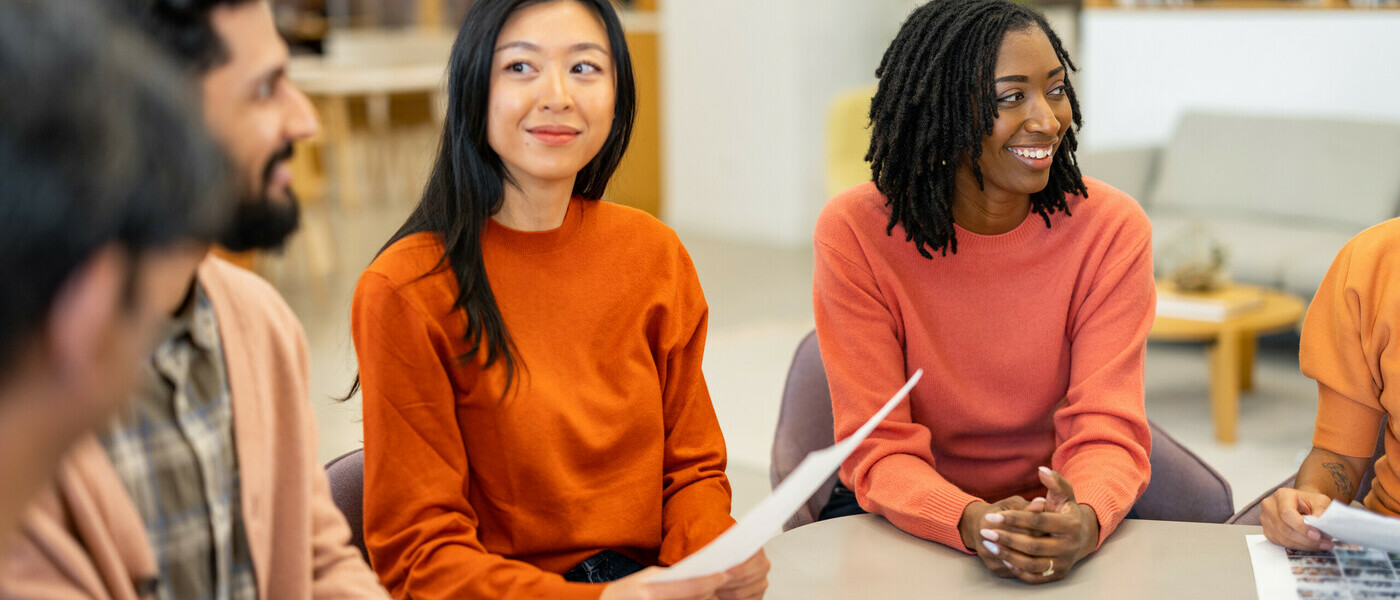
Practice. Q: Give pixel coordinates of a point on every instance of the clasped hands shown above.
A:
(1036, 541)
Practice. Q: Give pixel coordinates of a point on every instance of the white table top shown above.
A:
(867, 557)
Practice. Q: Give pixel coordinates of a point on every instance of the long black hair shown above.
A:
(936, 102)
(468, 180)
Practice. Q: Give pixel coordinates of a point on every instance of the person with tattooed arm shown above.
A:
(1345, 347)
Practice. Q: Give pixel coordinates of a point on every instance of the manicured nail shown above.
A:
(1313, 534)
(1047, 471)
(1009, 565)
(995, 518)
(991, 547)
(989, 534)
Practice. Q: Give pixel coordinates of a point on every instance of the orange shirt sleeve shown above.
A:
(893, 472)
(1342, 342)
(420, 530)
(695, 493)
(1102, 438)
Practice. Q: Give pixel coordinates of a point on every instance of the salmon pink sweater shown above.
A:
(1032, 344)
(608, 440)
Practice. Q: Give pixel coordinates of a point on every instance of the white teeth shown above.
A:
(1037, 153)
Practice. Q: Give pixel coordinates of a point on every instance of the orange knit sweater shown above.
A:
(609, 442)
(1346, 348)
(1032, 343)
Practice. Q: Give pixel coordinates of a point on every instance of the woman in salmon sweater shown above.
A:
(536, 421)
(1024, 290)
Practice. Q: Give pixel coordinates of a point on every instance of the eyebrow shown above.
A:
(273, 74)
(524, 45)
(1024, 79)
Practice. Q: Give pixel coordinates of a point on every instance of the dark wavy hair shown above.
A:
(182, 28)
(468, 179)
(936, 102)
(100, 146)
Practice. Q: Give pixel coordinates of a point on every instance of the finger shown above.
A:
(1047, 546)
(987, 551)
(749, 571)
(753, 589)
(1059, 492)
(685, 589)
(1278, 531)
(1054, 523)
(1023, 566)
(1011, 503)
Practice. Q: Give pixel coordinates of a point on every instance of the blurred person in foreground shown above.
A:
(107, 190)
(1346, 348)
(209, 486)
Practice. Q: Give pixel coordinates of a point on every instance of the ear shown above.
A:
(84, 311)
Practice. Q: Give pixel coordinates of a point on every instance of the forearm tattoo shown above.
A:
(1340, 479)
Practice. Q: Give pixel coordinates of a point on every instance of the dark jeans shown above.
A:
(603, 567)
(843, 504)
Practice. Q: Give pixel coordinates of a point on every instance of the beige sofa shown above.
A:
(1282, 195)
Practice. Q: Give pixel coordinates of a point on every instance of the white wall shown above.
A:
(1141, 69)
(745, 88)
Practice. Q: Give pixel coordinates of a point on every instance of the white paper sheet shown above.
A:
(1273, 577)
(748, 535)
(1358, 526)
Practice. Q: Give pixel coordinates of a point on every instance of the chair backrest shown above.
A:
(1249, 515)
(1183, 487)
(347, 476)
(848, 139)
(804, 425)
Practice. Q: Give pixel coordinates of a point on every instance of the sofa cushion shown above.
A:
(1291, 172)
(1292, 258)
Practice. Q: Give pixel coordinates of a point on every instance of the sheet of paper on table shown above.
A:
(1347, 571)
(749, 534)
(1358, 526)
(1272, 576)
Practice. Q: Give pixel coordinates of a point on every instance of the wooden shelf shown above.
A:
(1241, 5)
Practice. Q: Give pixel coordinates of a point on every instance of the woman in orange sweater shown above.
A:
(1346, 348)
(1024, 290)
(536, 421)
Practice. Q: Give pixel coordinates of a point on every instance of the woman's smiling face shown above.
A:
(1033, 116)
(552, 91)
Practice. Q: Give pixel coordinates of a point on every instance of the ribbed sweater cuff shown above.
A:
(941, 513)
(1109, 508)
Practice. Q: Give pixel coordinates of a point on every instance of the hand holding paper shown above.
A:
(1358, 526)
(747, 536)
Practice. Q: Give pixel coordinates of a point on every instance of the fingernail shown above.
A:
(995, 518)
(1009, 565)
(989, 534)
(1313, 534)
(991, 547)
(1047, 471)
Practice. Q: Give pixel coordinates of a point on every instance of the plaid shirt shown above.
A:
(173, 448)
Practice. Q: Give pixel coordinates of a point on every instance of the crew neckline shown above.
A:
(537, 242)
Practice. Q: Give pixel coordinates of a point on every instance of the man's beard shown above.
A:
(261, 222)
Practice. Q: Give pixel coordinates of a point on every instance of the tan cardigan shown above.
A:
(83, 537)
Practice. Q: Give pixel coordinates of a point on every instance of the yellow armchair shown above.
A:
(848, 139)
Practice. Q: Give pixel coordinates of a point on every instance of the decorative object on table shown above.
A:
(1196, 261)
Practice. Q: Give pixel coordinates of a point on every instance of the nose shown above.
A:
(555, 96)
(301, 120)
(1041, 118)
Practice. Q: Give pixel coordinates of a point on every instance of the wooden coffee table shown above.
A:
(1231, 350)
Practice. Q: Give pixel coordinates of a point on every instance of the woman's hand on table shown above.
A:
(1041, 542)
(1282, 518)
(974, 521)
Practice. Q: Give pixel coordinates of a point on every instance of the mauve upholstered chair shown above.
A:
(347, 475)
(1249, 515)
(1183, 487)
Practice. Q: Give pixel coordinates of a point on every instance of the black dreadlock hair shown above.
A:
(938, 71)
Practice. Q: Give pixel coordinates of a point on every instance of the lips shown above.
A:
(554, 135)
(1037, 157)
